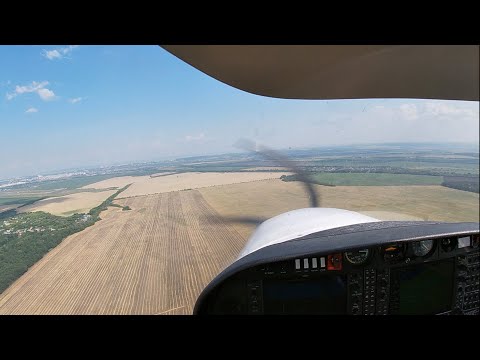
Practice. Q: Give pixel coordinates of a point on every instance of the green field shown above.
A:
(70, 184)
(24, 195)
(18, 200)
(373, 179)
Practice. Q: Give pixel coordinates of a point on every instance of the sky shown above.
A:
(68, 106)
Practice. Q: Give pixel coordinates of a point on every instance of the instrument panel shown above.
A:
(427, 276)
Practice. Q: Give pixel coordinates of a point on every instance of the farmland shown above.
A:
(25, 238)
(80, 202)
(456, 163)
(146, 185)
(157, 257)
(368, 179)
(466, 183)
(168, 234)
(116, 182)
(153, 259)
(272, 197)
(8, 207)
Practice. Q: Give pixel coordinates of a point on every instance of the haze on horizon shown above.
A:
(64, 107)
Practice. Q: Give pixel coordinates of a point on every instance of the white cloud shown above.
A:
(75, 100)
(58, 53)
(52, 54)
(46, 94)
(34, 86)
(200, 136)
(37, 87)
(31, 110)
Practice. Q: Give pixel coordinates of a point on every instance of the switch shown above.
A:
(334, 262)
(305, 263)
(322, 262)
(314, 263)
(297, 264)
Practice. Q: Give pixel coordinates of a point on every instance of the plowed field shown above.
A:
(153, 259)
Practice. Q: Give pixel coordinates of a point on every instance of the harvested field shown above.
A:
(272, 197)
(157, 257)
(186, 181)
(153, 259)
(67, 205)
(117, 182)
(147, 185)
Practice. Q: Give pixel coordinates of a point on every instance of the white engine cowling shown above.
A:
(297, 223)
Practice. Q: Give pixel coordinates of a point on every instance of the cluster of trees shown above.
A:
(95, 212)
(465, 183)
(295, 177)
(380, 169)
(460, 182)
(7, 214)
(21, 248)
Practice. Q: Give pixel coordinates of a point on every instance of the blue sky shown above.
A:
(72, 106)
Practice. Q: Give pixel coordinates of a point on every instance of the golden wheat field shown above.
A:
(153, 259)
(67, 205)
(146, 185)
(272, 197)
(117, 182)
(193, 181)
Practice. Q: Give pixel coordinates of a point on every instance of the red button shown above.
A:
(334, 262)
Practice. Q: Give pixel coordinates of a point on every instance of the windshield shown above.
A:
(129, 179)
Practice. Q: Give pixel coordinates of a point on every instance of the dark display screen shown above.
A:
(324, 296)
(424, 288)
